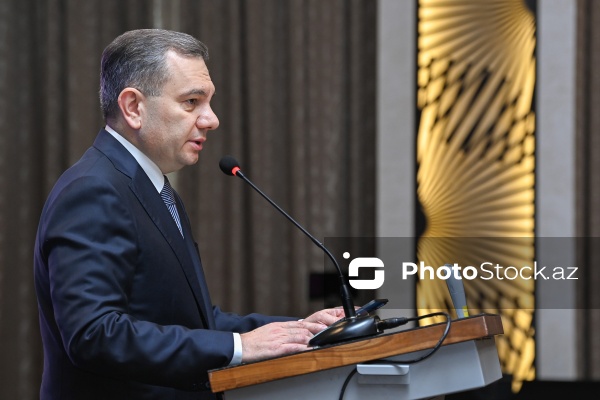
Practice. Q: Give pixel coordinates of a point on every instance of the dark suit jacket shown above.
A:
(125, 312)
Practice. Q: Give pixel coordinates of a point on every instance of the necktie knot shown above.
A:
(169, 199)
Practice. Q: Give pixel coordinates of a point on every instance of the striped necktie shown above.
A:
(167, 195)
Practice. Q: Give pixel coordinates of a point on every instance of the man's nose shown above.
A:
(208, 120)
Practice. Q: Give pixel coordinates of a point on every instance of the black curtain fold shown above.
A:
(588, 185)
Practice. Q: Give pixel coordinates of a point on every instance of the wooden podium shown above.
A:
(468, 359)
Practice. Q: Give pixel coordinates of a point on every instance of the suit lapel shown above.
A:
(151, 201)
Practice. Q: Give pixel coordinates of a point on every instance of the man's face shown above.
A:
(175, 124)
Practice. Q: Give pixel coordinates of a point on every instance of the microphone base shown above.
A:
(346, 329)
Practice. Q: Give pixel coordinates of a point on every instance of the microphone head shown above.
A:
(229, 165)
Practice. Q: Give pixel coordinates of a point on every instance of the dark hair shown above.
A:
(137, 59)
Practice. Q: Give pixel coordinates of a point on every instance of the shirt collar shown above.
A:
(150, 168)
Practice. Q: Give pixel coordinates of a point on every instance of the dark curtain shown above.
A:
(295, 92)
(588, 184)
(296, 99)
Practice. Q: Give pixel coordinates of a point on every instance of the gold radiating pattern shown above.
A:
(476, 159)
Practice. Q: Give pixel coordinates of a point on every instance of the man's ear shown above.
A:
(131, 104)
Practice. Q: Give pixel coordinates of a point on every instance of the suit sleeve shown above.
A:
(244, 323)
(91, 247)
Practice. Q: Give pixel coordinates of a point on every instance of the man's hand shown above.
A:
(326, 317)
(278, 338)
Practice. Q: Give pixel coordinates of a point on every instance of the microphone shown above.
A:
(352, 325)
(457, 293)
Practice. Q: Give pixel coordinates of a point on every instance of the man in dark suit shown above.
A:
(124, 308)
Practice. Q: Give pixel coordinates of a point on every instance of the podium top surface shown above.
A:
(354, 352)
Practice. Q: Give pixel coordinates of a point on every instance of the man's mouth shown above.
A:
(197, 144)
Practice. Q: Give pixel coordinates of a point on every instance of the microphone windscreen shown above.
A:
(227, 164)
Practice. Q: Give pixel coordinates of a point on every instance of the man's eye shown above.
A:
(192, 102)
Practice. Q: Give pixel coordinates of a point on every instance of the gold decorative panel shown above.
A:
(476, 159)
